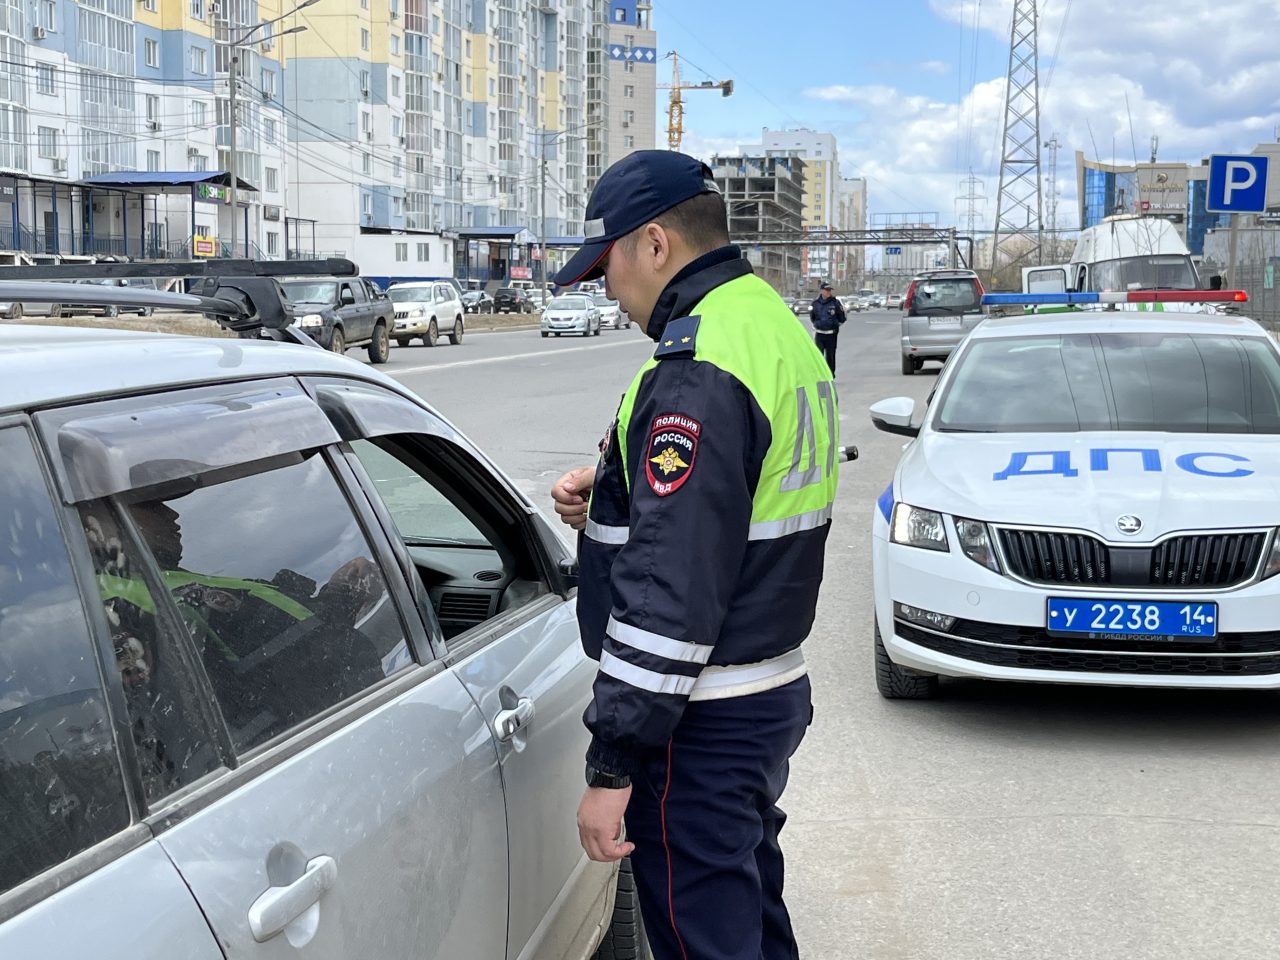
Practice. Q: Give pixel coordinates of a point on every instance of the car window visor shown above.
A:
(108, 448)
(241, 295)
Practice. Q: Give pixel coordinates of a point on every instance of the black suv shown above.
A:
(512, 300)
(342, 312)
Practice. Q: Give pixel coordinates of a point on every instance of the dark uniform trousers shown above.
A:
(827, 347)
(704, 818)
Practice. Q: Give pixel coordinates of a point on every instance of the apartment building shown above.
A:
(633, 78)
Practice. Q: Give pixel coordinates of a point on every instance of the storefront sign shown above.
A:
(210, 193)
(203, 246)
(522, 273)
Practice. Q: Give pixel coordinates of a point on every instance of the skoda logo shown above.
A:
(1129, 524)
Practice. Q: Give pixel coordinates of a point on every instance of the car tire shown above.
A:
(15, 312)
(898, 683)
(111, 312)
(455, 337)
(403, 341)
(545, 334)
(432, 336)
(55, 311)
(625, 939)
(908, 367)
(380, 345)
(145, 312)
(339, 342)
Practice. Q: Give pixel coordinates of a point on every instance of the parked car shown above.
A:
(477, 301)
(289, 667)
(342, 312)
(423, 309)
(571, 313)
(611, 314)
(512, 300)
(941, 307)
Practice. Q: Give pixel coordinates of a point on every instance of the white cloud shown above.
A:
(1203, 79)
(934, 66)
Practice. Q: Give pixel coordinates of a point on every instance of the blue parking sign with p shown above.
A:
(1237, 184)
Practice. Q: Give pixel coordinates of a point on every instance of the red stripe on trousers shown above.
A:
(671, 897)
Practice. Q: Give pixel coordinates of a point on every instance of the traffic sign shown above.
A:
(1237, 184)
(893, 251)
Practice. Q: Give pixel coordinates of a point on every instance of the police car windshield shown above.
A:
(307, 291)
(1167, 272)
(1161, 382)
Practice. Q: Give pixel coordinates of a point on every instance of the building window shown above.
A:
(49, 15)
(424, 251)
(364, 4)
(151, 52)
(268, 81)
(493, 87)
(199, 113)
(366, 123)
(620, 15)
(468, 81)
(366, 204)
(629, 66)
(364, 38)
(395, 85)
(199, 61)
(397, 210)
(149, 6)
(395, 167)
(199, 163)
(468, 47)
(44, 79)
(628, 91)
(628, 116)
(397, 127)
(395, 9)
(153, 106)
(395, 44)
(47, 138)
(269, 129)
(273, 243)
(273, 180)
(197, 9)
(492, 54)
(366, 163)
(446, 253)
(153, 160)
(629, 142)
(402, 253)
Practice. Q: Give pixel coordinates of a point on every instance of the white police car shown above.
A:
(1089, 498)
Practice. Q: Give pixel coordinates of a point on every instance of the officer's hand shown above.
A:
(570, 495)
(600, 824)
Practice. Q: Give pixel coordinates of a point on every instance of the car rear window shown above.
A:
(508, 291)
(949, 295)
(1165, 382)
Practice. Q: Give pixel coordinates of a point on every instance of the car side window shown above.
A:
(156, 667)
(280, 591)
(474, 563)
(61, 785)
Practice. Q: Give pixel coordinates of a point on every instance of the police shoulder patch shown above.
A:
(679, 339)
(672, 452)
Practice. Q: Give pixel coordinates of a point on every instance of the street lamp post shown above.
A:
(233, 76)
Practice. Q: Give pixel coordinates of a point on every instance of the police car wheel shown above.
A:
(898, 683)
(908, 367)
(625, 939)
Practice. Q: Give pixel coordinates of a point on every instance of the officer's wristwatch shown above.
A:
(609, 781)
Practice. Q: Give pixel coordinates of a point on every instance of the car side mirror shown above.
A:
(347, 299)
(569, 577)
(894, 416)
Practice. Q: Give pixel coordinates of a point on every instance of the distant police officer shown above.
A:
(700, 565)
(827, 314)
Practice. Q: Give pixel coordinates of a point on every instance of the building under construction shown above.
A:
(765, 195)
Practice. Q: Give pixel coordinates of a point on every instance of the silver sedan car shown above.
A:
(571, 313)
(312, 694)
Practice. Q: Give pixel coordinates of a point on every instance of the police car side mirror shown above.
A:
(568, 570)
(894, 416)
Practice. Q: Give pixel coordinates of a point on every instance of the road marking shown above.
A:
(511, 356)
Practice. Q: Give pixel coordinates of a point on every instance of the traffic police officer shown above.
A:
(700, 564)
(826, 313)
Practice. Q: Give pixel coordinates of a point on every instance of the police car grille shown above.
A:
(1212, 560)
(1048, 557)
(1206, 560)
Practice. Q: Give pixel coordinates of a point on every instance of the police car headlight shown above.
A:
(311, 320)
(913, 527)
(975, 543)
(1273, 561)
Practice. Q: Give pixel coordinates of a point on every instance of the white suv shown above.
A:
(425, 309)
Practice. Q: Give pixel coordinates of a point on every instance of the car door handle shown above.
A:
(280, 906)
(510, 722)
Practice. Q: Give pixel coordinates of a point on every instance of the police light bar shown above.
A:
(1131, 296)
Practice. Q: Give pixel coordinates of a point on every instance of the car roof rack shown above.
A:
(243, 296)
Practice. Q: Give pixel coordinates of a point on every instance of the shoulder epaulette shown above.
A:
(679, 339)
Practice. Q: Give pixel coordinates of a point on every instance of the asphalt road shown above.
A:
(1000, 821)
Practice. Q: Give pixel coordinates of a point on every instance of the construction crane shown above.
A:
(675, 108)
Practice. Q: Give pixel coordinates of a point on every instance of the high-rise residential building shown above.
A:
(822, 178)
(633, 78)
(115, 127)
(851, 214)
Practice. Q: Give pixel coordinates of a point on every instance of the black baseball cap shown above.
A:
(826, 285)
(633, 191)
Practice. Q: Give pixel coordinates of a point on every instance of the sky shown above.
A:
(914, 89)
